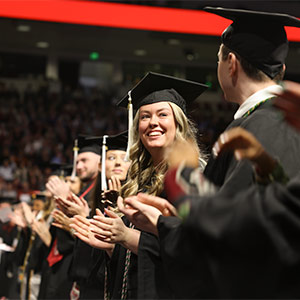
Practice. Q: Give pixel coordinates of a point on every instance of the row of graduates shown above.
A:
(231, 230)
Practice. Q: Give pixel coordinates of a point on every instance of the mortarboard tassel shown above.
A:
(103, 158)
(75, 150)
(130, 121)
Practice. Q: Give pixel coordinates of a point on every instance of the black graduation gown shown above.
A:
(56, 283)
(57, 280)
(8, 265)
(277, 137)
(152, 278)
(281, 141)
(115, 272)
(93, 288)
(244, 246)
(84, 260)
(37, 255)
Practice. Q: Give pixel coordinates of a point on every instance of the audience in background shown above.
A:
(32, 134)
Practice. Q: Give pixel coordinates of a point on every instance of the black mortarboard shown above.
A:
(38, 195)
(155, 87)
(85, 144)
(56, 169)
(67, 169)
(117, 142)
(8, 199)
(113, 142)
(259, 37)
(60, 170)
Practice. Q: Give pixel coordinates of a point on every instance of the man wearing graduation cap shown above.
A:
(251, 61)
(88, 261)
(86, 163)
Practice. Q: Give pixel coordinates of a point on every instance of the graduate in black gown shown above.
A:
(251, 62)
(56, 283)
(33, 245)
(71, 199)
(160, 119)
(9, 234)
(90, 267)
(87, 161)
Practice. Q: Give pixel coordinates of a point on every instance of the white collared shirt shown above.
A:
(256, 98)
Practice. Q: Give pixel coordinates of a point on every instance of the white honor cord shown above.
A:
(130, 122)
(75, 150)
(103, 159)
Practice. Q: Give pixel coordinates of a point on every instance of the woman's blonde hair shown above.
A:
(48, 208)
(143, 176)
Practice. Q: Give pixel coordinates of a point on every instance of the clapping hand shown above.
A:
(82, 230)
(73, 205)
(58, 187)
(61, 220)
(144, 210)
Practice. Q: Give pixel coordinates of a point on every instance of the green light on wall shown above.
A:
(94, 55)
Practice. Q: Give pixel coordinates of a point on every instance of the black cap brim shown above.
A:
(241, 14)
(258, 37)
(86, 144)
(113, 142)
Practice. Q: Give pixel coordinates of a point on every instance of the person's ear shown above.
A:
(232, 62)
(99, 166)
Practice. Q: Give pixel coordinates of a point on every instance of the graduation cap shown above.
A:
(83, 144)
(155, 87)
(113, 142)
(60, 170)
(38, 195)
(67, 169)
(258, 37)
(8, 199)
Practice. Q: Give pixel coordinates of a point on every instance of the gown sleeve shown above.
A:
(245, 245)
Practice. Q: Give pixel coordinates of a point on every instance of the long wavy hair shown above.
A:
(143, 176)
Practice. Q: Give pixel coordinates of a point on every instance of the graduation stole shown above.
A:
(252, 109)
(54, 255)
(88, 189)
(125, 276)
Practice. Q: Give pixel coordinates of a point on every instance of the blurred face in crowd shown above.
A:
(87, 166)
(74, 184)
(4, 205)
(157, 126)
(115, 164)
(38, 205)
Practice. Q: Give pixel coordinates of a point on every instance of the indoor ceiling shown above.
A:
(76, 42)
